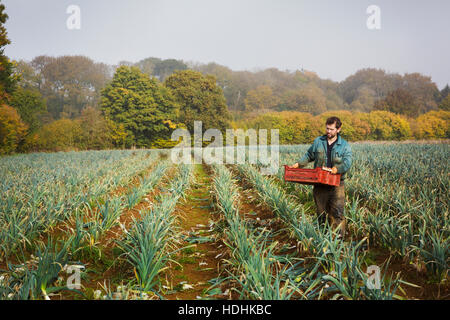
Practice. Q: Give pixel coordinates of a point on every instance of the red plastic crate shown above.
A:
(311, 176)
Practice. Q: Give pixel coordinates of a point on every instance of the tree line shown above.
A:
(75, 103)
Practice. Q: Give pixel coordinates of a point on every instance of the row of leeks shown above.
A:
(107, 214)
(257, 272)
(45, 195)
(331, 268)
(41, 276)
(399, 199)
(150, 243)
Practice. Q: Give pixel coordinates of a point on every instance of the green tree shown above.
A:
(30, 78)
(118, 134)
(444, 93)
(60, 135)
(445, 103)
(96, 134)
(199, 99)
(30, 105)
(164, 68)
(144, 107)
(7, 79)
(147, 65)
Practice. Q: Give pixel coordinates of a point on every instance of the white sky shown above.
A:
(328, 37)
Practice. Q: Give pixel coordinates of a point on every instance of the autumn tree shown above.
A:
(30, 78)
(144, 107)
(12, 129)
(68, 83)
(385, 125)
(199, 99)
(234, 90)
(398, 101)
(377, 81)
(309, 99)
(237, 89)
(293, 127)
(261, 98)
(364, 101)
(433, 125)
(353, 127)
(422, 89)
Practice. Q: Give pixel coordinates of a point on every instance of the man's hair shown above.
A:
(336, 120)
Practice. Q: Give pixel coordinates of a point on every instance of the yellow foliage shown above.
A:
(12, 129)
(433, 125)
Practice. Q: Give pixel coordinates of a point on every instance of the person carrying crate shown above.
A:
(334, 153)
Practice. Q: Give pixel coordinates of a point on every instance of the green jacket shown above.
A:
(341, 155)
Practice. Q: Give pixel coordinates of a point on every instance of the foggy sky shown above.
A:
(328, 37)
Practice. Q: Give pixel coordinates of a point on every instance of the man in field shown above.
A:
(330, 151)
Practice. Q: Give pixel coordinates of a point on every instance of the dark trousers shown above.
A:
(330, 203)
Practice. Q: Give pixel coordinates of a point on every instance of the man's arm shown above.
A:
(308, 157)
(346, 160)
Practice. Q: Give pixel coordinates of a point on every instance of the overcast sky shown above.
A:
(326, 36)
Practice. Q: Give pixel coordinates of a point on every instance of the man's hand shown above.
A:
(294, 166)
(334, 170)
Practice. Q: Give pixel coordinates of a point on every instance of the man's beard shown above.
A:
(331, 136)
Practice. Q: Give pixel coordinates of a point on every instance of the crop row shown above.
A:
(29, 207)
(328, 259)
(150, 242)
(256, 269)
(400, 201)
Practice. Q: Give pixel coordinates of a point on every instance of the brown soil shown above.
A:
(427, 289)
(201, 261)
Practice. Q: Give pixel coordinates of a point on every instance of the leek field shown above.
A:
(130, 224)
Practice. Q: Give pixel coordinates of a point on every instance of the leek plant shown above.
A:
(43, 190)
(37, 278)
(401, 194)
(255, 266)
(329, 254)
(148, 245)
